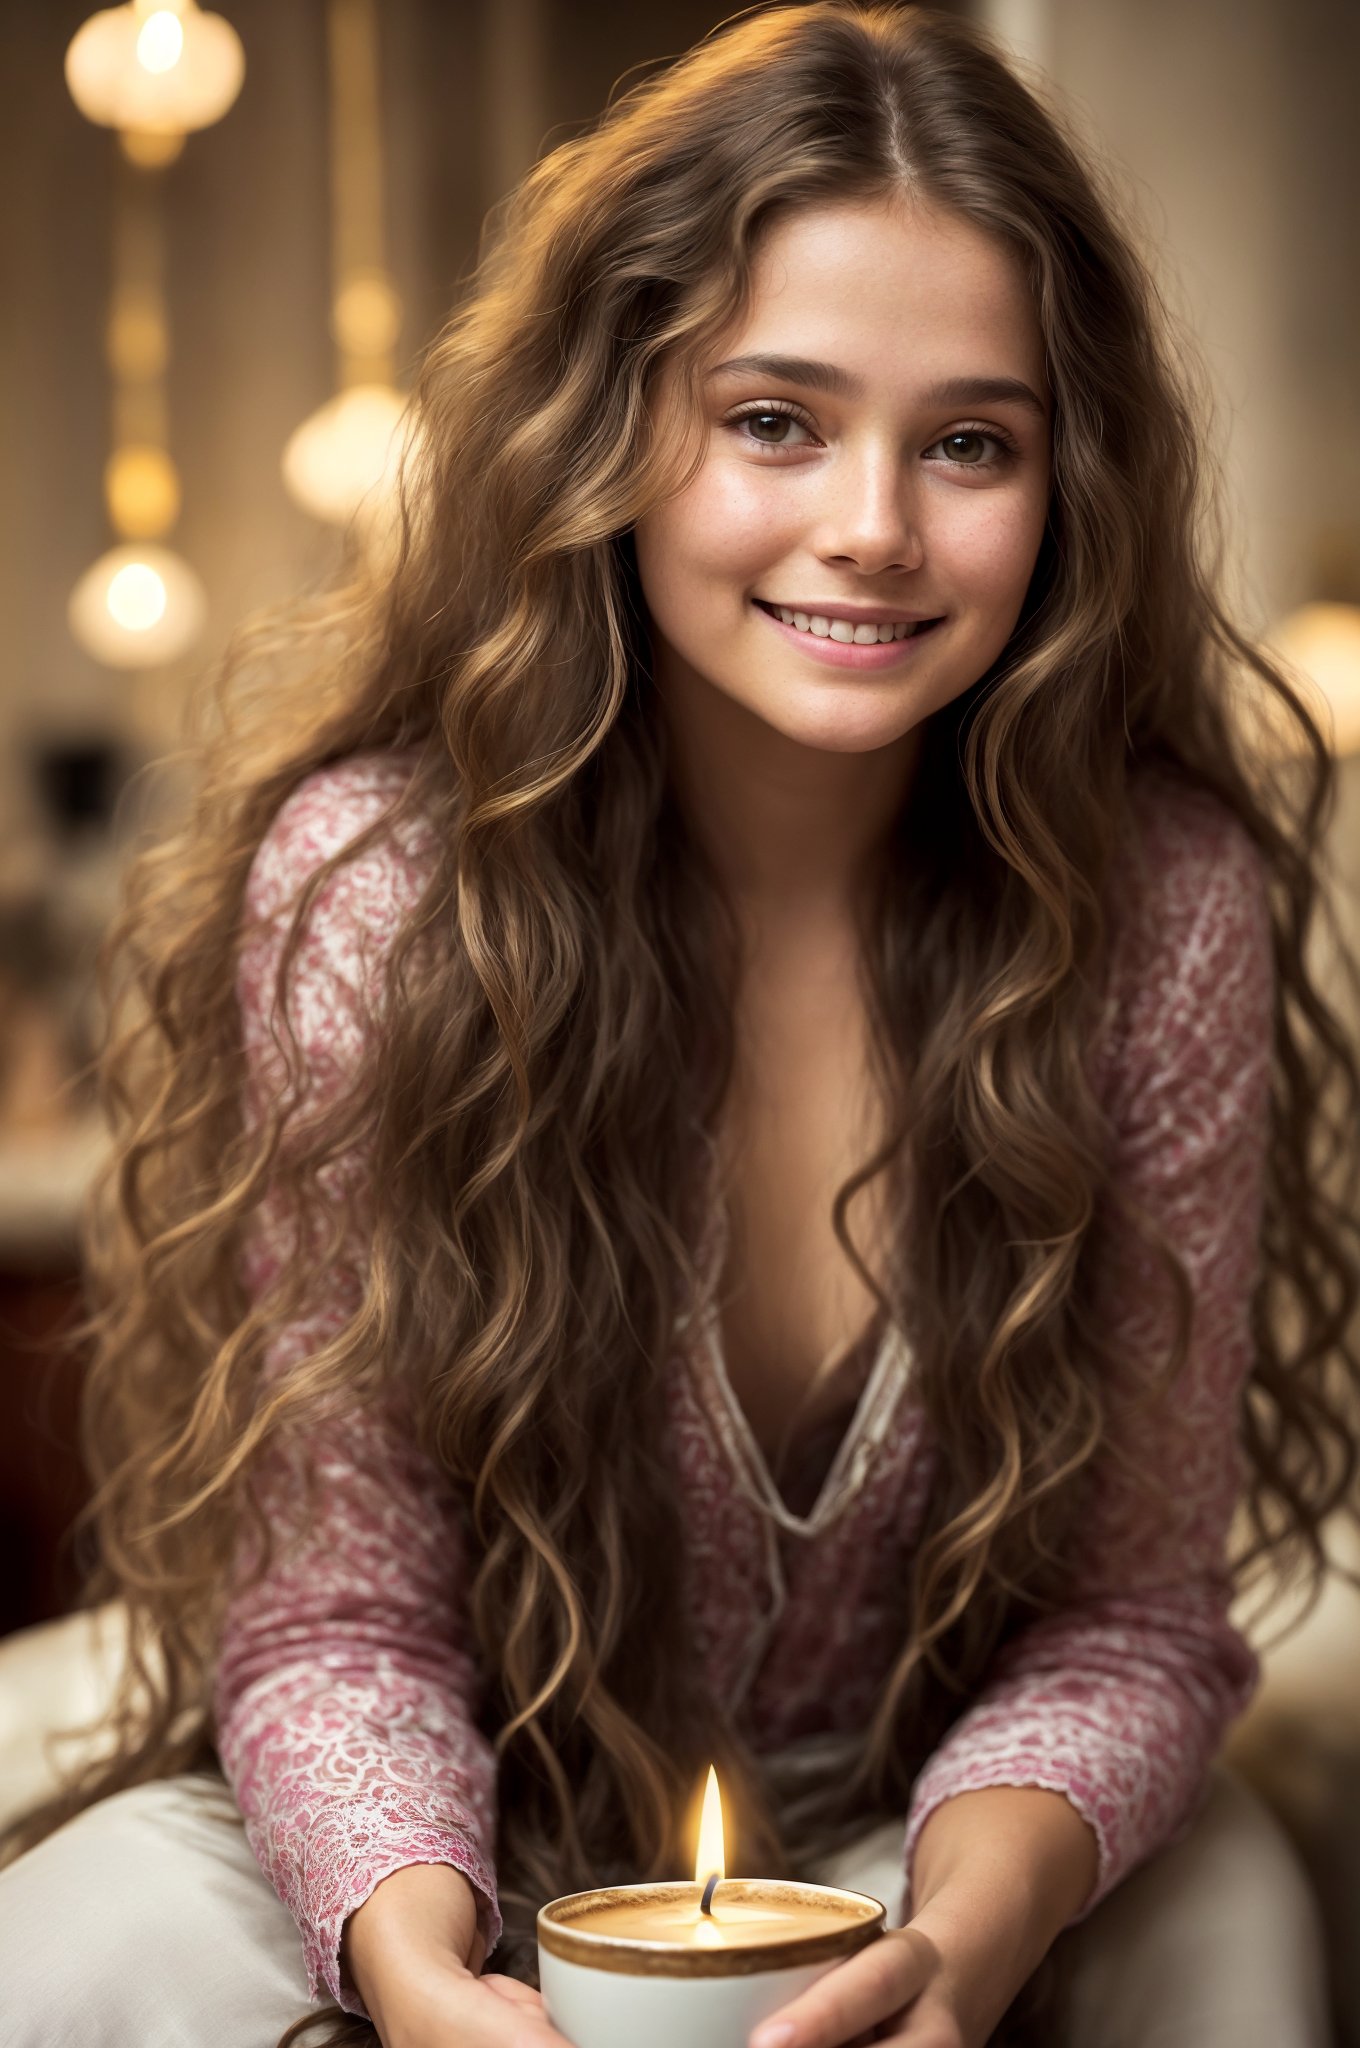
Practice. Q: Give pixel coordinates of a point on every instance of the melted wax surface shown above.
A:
(735, 1922)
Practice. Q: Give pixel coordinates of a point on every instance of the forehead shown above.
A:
(896, 291)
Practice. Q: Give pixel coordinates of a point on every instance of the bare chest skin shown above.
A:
(799, 1120)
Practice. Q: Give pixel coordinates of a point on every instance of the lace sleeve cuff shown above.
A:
(349, 1851)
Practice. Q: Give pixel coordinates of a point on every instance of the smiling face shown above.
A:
(868, 477)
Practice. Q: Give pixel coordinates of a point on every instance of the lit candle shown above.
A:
(672, 1964)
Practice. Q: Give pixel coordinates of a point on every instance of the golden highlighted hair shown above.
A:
(534, 1194)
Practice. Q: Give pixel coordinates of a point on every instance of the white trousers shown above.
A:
(145, 1922)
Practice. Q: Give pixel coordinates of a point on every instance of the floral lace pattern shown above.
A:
(346, 1689)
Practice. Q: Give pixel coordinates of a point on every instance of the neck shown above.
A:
(796, 832)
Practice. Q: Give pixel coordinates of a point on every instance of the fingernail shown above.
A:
(777, 2035)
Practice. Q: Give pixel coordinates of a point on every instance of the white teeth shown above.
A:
(844, 631)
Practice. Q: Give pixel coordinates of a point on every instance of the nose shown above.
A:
(869, 515)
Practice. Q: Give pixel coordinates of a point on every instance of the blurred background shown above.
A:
(228, 236)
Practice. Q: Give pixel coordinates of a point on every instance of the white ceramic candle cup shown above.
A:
(612, 1991)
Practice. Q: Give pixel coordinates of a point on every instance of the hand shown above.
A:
(414, 1951)
(896, 1989)
(998, 1873)
(434, 2002)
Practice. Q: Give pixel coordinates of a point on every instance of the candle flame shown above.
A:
(710, 1856)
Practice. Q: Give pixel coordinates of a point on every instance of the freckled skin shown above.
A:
(857, 499)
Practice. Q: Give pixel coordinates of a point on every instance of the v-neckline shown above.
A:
(873, 1410)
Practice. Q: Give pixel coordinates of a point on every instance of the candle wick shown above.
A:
(706, 1902)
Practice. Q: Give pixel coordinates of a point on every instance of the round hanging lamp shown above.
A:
(137, 606)
(1321, 641)
(155, 67)
(346, 453)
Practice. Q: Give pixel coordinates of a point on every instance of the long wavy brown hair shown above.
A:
(533, 1195)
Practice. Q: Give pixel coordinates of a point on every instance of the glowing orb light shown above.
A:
(157, 69)
(137, 606)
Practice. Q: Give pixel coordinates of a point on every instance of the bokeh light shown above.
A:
(137, 606)
(346, 454)
(155, 70)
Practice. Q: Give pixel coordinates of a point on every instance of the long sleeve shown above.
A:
(344, 1686)
(1121, 1699)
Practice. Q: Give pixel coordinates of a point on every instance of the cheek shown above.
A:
(725, 528)
(990, 543)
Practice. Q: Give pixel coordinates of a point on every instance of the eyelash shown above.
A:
(786, 410)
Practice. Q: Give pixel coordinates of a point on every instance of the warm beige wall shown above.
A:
(1232, 125)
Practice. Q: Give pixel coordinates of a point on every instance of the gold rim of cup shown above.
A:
(560, 1933)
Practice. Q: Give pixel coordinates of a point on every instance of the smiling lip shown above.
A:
(847, 653)
(858, 614)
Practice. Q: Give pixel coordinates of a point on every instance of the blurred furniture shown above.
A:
(42, 1484)
(46, 1164)
(1300, 1746)
(43, 1174)
(53, 1676)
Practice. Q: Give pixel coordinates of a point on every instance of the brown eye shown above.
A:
(977, 448)
(767, 426)
(778, 420)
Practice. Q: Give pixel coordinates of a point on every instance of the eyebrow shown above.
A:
(815, 376)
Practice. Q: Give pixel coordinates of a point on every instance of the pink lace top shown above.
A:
(346, 1687)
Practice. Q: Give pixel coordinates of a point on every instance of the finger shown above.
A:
(928, 2035)
(477, 2018)
(851, 1999)
(510, 1988)
(533, 2018)
(928, 2024)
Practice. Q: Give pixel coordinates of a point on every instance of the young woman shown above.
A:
(716, 1120)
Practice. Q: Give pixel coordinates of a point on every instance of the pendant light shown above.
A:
(1319, 641)
(139, 605)
(342, 460)
(155, 70)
